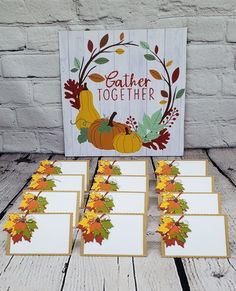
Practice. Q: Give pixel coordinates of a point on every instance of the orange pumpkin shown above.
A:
(102, 132)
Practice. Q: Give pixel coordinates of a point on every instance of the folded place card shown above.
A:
(182, 168)
(120, 183)
(127, 237)
(52, 201)
(122, 202)
(189, 203)
(207, 236)
(58, 183)
(52, 235)
(185, 184)
(123, 167)
(65, 167)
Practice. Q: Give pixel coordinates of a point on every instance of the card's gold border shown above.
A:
(78, 206)
(120, 255)
(145, 199)
(206, 165)
(128, 161)
(212, 182)
(8, 243)
(159, 200)
(226, 239)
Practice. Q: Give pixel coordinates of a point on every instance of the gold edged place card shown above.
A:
(65, 167)
(52, 201)
(194, 236)
(127, 237)
(45, 237)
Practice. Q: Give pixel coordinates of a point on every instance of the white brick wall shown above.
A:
(30, 98)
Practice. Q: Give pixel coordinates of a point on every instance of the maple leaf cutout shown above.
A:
(159, 142)
(74, 89)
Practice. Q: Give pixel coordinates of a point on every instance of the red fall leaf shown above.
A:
(88, 237)
(175, 75)
(72, 90)
(99, 239)
(90, 46)
(18, 237)
(160, 142)
(104, 40)
(156, 49)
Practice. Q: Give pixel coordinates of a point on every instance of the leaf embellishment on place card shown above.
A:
(101, 61)
(100, 203)
(175, 75)
(104, 185)
(19, 227)
(166, 183)
(107, 168)
(122, 36)
(173, 204)
(41, 182)
(95, 227)
(47, 167)
(166, 168)
(119, 51)
(172, 231)
(33, 204)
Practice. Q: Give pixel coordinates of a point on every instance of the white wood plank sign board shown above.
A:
(140, 75)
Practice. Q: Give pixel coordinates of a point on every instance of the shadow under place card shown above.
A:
(56, 201)
(182, 168)
(47, 238)
(123, 167)
(127, 238)
(207, 236)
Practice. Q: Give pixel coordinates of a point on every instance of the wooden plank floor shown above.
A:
(112, 274)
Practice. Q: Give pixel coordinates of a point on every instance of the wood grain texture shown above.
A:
(96, 273)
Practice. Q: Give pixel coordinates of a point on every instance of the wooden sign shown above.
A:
(123, 92)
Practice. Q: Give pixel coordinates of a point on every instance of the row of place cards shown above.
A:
(115, 219)
(191, 224)
(49, 209)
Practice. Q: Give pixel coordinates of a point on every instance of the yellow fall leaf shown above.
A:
(164, 204)
(162, 228)
(169, 63)
(162, 102)
(9, 225)
(119, 51)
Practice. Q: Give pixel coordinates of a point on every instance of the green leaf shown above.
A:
(104, 127)
(101, 61)
(179, 186)
(157, 127)
(116, 171)
(144, 45)
(147, 122)
(180, 93)
(27, 233)
(141, 130)
(106, 224)
(31, 224)
(149, 57)
(74, 70)
(174, 171)
(104, 233)
(83, 136)
(51, 184)
(42, 201)
(57, 170)
(156, 117)
(77, 63)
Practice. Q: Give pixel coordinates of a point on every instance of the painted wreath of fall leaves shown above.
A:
(173, 232)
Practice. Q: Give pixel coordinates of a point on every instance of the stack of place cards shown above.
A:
(115, 220)
(54, 196)
(191, 211)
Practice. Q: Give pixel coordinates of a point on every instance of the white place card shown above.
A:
(48, 238)
(127, 238)
(208, 238)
